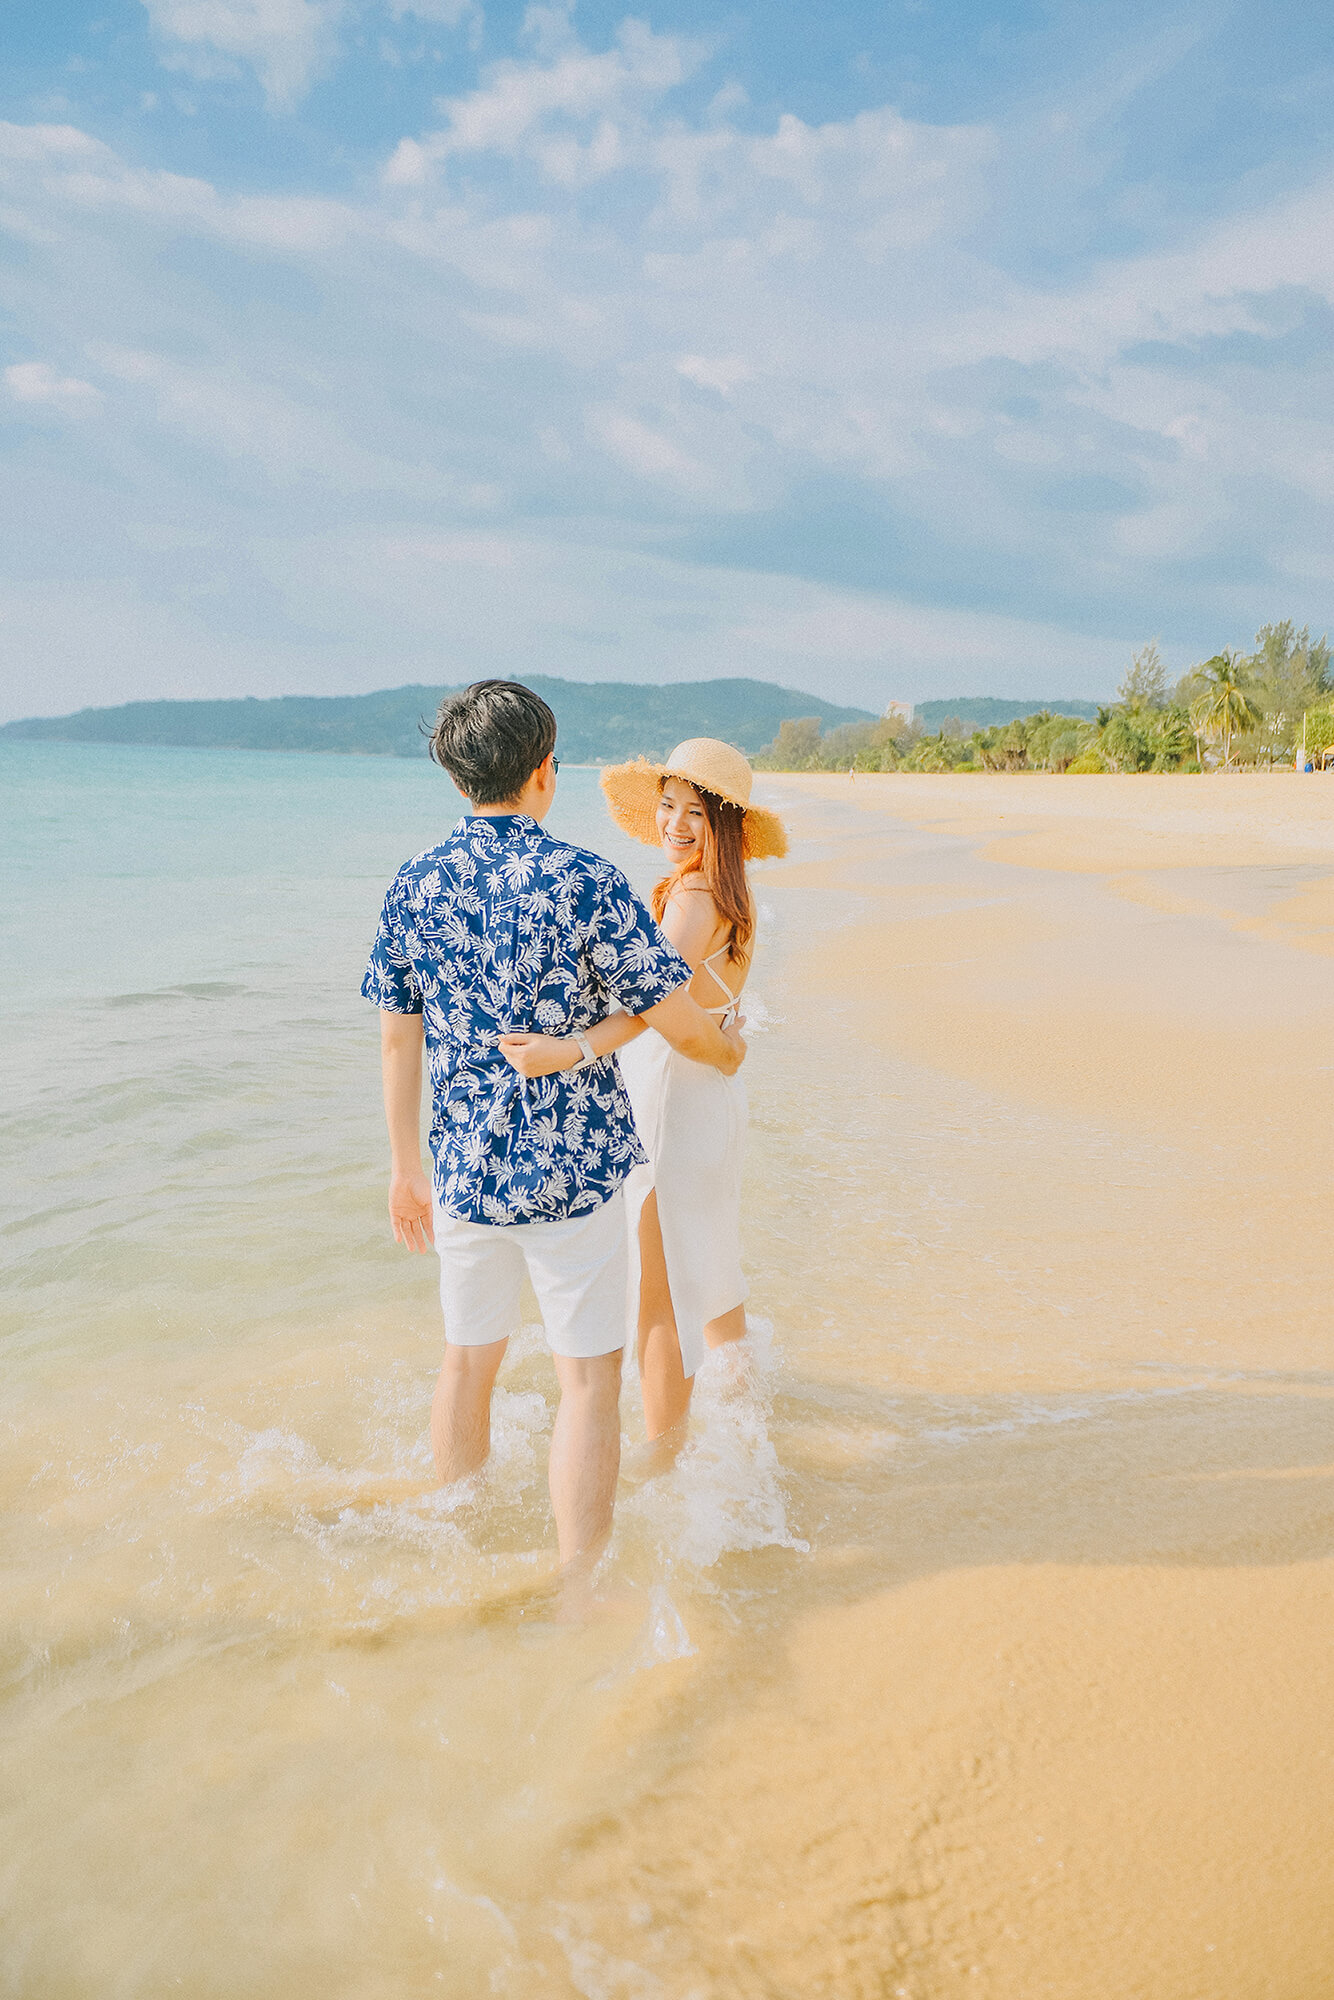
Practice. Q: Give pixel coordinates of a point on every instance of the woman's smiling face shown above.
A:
(682, 823)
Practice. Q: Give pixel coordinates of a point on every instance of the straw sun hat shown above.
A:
(710, 766)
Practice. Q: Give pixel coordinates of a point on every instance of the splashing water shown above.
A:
(724, 1495)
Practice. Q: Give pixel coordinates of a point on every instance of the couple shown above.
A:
(522, 965)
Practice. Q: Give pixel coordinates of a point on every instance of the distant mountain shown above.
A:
(986, 711)
(599, 721)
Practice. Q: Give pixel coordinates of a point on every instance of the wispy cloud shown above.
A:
(287, 43)
(575, 114)
(38, 382)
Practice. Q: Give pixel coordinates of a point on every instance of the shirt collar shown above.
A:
(505, 825)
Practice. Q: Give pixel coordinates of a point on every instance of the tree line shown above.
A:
(1237, 709)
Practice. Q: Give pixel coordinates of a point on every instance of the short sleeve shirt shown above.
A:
(502, 929)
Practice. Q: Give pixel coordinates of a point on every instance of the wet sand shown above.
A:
(1063, 1722)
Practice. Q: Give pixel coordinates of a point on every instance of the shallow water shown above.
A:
(263, 1712)
(272, 1727)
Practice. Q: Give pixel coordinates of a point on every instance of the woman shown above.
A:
(685, 1206)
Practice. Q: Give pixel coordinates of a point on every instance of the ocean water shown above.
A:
(279, 1721)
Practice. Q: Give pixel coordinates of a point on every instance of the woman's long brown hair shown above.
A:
(723, 866)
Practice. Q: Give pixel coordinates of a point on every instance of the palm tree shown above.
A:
(1223, 708)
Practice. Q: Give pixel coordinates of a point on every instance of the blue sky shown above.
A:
(913, 349)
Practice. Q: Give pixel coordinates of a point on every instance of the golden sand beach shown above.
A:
(985, 1651)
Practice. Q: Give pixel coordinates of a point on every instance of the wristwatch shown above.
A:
(587, 1053)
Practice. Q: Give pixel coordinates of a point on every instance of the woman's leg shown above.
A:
(729, 1326)
(666, 1387)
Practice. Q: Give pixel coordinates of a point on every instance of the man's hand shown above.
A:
(410, 1210)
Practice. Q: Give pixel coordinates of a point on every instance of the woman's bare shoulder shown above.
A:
(691, 921)
(697, 895)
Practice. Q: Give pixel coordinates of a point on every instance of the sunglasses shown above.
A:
(555, 764)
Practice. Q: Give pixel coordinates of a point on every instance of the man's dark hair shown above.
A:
(491, 737)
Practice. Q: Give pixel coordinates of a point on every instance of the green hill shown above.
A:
(600, 721)
(989, 711)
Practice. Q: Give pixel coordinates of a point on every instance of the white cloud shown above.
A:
(71, 169)
(50, 142)
(274, 429)
(287, 43)
(1204, 289)
(466, 16)
(647, 451)
(538, 107)
(38, 382)
(443, 13)
(723, 374)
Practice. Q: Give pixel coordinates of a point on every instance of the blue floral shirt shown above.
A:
(498, 930)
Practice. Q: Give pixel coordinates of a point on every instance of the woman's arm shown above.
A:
(541, 1055)
(678, 1019)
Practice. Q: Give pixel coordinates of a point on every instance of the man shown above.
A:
(502, 929)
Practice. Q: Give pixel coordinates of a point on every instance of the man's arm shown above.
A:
(401, 1041)
(692, 1032)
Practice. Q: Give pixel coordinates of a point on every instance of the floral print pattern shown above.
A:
(498, 930)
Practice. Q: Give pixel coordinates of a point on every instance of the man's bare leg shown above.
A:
(461, 1409)
(585, 1454)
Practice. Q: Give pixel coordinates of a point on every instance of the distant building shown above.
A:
(903, 709)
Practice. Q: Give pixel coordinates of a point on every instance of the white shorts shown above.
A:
(577, 1265)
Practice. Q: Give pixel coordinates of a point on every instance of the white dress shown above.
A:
(691, 1121)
